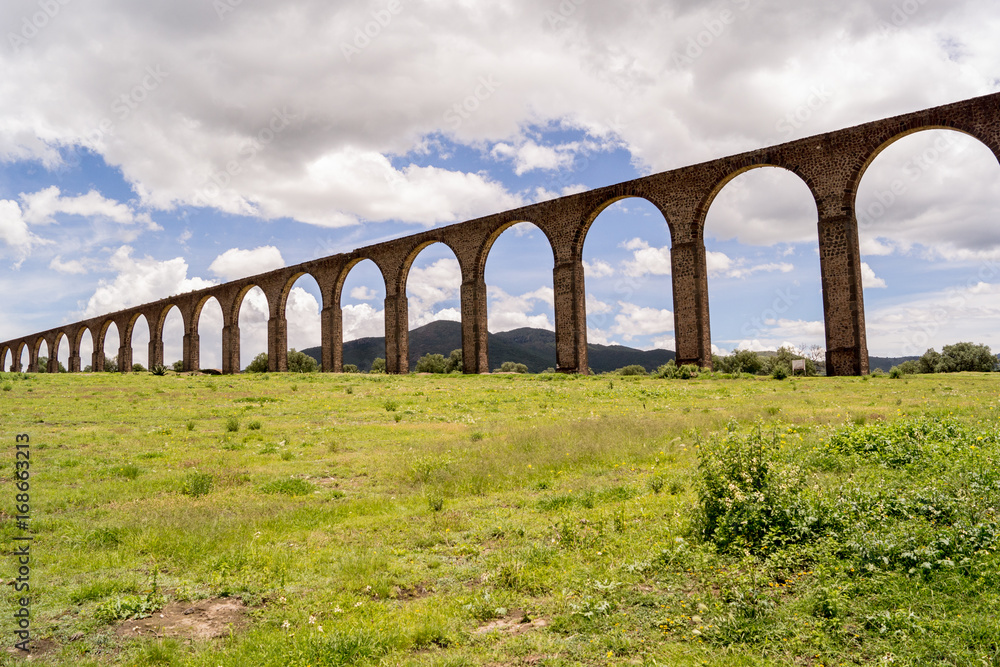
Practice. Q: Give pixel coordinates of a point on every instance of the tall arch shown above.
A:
(22, 359)
(249, 334)
(82, 348)
(5, 358)
(762, 249)
(626, 260)
(136, 336)
(207, 321)
(529, 304)
(101, 346)
(301, 305)
(927, 209)
(358, 318)
(167, 336)
(431, 280)
(35, 365)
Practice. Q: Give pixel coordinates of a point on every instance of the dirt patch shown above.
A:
(514, 623)
(39, 648)
(205, 619)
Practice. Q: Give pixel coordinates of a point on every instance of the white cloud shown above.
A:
(363, 293)
(40, 208)
(73, 266)
(646, 260)
(598, 269)
(236, 263)
(633, 320)
(14, 231)
(868, 278)
(508, 312)
(139, 281)
(363, 321)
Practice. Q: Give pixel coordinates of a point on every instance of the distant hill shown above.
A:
(535, 348)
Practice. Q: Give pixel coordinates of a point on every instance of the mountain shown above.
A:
(535, 348)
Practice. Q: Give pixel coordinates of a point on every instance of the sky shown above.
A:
(151, 148)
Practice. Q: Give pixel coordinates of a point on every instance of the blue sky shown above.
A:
(152, 148)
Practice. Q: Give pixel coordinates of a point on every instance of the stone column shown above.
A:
(97, 363)
(53, 365)
(692, 335)
(571, 317)
(475, 336)
(75, 364)
(397, 344)
(192, 351)
(843, 297)
(231, 349)
(156, 351)
(125, 359)
(331, 323)
(277, 344)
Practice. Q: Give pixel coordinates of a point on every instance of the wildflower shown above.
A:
(312, 620)
(286, 625)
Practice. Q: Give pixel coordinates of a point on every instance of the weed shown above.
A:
(190, 425)
(289, 487)
(390, 405)
(232, 424)
(255, 425)
(122, 607)
(128, 471)
(196, 484)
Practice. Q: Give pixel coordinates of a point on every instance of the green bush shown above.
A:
(300, 362)
(454, 364)
(258, 365)
(896, 372)
(667, 371)
(378, 366)
(432, 363)
(512, 367)
(632, 369)
(350, 368)
(747, 498)
(138, 368)
(178, 366)
(779, 372)
(232, 424)
(687, 371)
(158, 370)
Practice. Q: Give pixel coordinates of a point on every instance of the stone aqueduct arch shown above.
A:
(831, 165)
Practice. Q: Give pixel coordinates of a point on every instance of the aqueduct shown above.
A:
(831, 165)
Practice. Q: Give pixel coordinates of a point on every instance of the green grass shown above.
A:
(751, 521)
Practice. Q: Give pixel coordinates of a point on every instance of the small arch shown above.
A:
(39, 352)
(60, 350)
(23, 356)
(110, 351)
(4, 358)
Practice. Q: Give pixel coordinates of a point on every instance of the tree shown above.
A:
(432, 363)
(378, 366)
(454, 362)
(929, 361)
(350, 368)
(178, 366)
(783, 359)
(970, 357)
(43, 365)
(300, 362)
(111, 364)
(258, 365)
(138, 368)
(632, 369)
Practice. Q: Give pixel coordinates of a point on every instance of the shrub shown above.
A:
(138, 368)
(178, 366)
(687, 371)
(111, 364)
(747, 498)
(896, 372)
(158, 370)
(254, 425)
(512, 367)
(258, 365)
(779, 372)
(432, 363)
(300, 362)
(378, 366)
(667, 371)
(350, 368)
(232, 424)
(632, 369)
(197, 484)
(454, 362)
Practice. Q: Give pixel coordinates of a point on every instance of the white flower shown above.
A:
(312, 620)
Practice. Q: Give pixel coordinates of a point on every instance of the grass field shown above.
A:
(507, 519)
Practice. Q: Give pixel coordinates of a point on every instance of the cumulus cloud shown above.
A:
(646, 260)
(508, 311)
(633, 320)
(598, 269)
(14, 231)
(139, 281)
(40, 208)
(73, 266)
(362, 293)
(236, 263)
(868, 278)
